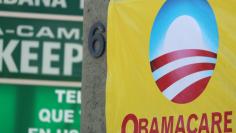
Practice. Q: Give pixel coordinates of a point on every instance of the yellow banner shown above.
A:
(171, 66)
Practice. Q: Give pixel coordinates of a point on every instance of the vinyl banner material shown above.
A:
(171, 66)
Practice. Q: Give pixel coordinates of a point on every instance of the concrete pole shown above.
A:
(94, 73)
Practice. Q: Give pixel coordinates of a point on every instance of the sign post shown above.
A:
(94, 68)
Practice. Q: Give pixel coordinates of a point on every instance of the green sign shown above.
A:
(39, 109)
(67, 7)
(40, 66)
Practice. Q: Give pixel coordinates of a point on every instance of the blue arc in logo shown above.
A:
(199, 10)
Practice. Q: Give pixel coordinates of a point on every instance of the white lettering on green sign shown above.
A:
(68, 96)
(36, 3)
(1, 32)
(81, 4)
(7, 50)
(48, 130)
(6, 56)
(28, 56)
(45, 31)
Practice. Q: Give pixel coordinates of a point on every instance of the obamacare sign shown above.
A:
(170, 67)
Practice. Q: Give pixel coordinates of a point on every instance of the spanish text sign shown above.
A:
(171, 67)
(40, 66)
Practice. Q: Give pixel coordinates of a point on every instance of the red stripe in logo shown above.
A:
(184, 82)
(169, 57)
